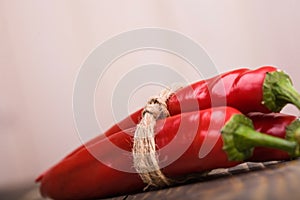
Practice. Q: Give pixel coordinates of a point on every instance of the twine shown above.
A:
(145, 158)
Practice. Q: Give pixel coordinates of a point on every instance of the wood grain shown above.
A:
(247, 181)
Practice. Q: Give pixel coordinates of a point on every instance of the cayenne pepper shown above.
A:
(82, 176)
(274, 124)
(266, 89)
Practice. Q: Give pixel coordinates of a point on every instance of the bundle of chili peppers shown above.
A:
(236, 112)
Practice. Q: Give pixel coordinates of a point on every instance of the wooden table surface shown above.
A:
(247, 181)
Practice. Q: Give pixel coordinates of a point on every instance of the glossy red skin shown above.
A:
(241, 89)
(82, 176)
(274, 124)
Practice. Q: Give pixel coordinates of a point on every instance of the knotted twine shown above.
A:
(145, 157)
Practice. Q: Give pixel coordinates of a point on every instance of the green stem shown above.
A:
(240, 139)
(249, 138)
(293, 134)
(278, 91)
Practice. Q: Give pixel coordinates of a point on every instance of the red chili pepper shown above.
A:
(274, 124)
(82, 176)
(263, 90)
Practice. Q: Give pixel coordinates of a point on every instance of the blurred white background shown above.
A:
(43, 44)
